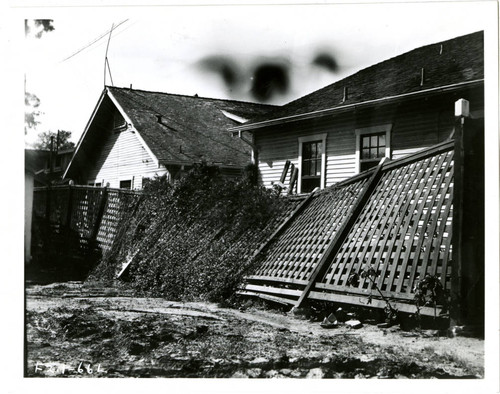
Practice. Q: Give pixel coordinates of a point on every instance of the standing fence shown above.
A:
(77, 223)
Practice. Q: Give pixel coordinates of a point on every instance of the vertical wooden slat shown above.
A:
(422, 236)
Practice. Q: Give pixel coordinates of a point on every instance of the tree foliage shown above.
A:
(63, 143)
(40, 25)
(31, 112)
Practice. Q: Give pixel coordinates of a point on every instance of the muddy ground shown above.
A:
(74, 330)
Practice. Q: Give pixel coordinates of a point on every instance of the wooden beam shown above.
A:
(436, 149)
(375, 303)
(342, 232)
(293, 178)
(273, 290)
(285, 171)
(467, 276)
(279, 300)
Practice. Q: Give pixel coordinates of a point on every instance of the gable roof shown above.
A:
(188, 129)
(444, 64)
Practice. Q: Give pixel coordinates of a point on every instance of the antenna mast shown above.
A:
(106, 62)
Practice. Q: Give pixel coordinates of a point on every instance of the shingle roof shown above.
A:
(192, 129)
(445, 63)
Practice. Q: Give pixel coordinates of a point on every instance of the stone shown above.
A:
(286, 371)
(330, 321)
(315, 373)
(239, 375)
(354, 324)
(254, 372)
(259, 360)
(272, 374)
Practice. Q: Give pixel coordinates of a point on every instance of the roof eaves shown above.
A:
(342, 108)
(80, 141)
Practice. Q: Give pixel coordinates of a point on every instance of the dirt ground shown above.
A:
(74, 330)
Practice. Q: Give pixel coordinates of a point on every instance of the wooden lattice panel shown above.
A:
(294, 254)
(85, 207)
(403, 232)
(118, 204)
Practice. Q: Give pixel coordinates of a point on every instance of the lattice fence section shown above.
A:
(79, 214)
(293, 255)
(119, 204)
(85, 209)
(403, 232)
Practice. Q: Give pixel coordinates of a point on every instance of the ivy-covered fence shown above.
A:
(195, 239)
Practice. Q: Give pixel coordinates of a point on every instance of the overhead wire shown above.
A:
(94, 41)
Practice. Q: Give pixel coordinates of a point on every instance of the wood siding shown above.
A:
(123, 157)
(415, 126)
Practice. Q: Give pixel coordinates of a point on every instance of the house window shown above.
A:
(312, 162)
(372, 150)
(372, 144)
(311, 166)
(126, 184)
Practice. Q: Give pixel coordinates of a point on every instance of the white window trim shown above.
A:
(309, 138)
(373, 130)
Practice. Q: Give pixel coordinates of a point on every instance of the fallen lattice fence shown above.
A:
(395, 222)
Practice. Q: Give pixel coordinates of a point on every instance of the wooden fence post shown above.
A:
(467, 276)
(100, 213)
(341, 233)
(69, 207)
(47, 203)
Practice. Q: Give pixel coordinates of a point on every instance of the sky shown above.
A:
(271, 54)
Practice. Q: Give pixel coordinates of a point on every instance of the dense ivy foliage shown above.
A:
(193, 239)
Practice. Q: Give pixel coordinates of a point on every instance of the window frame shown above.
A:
(372, 130)
(312, 138)
(131, 180)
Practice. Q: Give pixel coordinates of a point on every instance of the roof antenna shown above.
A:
(106, 62)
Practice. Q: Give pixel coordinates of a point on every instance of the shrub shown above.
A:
(193, 239)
